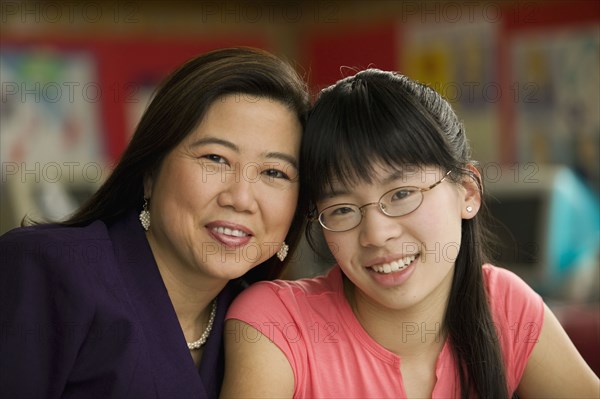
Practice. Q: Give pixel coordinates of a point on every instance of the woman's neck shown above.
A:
(191, 293)
(191, 296)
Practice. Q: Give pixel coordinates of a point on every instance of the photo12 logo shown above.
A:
(69, 12)
(468, 11)
(69, 92)
(53, 172)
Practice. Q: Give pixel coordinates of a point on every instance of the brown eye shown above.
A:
(401, 194)
(342, 210)
(215, 158)
(276, 174)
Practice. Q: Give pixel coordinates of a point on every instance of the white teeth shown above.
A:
(229, 232)
(394, 266)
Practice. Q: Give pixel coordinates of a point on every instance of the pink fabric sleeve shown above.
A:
(261, 307)
(518, 313)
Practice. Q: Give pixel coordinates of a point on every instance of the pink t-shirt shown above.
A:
(332, 356)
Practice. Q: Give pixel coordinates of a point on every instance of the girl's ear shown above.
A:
(473, 186)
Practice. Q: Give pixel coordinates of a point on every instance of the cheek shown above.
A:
(441, 233)
(183, 196)
(339, 246)
(449, 251)
(188, 193)
(279, 208)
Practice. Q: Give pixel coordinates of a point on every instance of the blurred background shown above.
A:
(523, 75)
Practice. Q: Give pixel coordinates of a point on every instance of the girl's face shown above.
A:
(400, 262)
(223, 199)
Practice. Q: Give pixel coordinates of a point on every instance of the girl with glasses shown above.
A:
(412, 308)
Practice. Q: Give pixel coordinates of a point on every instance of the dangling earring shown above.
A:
(283, 251)
(469, 209)
(145, 215)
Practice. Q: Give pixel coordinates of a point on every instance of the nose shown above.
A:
(239, 194)
(377, 228)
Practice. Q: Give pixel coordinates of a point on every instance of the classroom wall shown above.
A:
(524, 76)
(76, 76)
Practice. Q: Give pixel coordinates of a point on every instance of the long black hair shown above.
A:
(384, 118)
(176, 109)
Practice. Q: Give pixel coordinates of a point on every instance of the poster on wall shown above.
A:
(458, 59)
(50, 143)
(557, 74)
(135, 109)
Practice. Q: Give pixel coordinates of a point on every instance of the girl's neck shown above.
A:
(414, 332)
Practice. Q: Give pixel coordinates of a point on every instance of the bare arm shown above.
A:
(555, 368)
(256, 367)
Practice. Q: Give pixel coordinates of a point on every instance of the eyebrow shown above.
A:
(395, 175)
(284, 157)
(226, 143)
(214, 140)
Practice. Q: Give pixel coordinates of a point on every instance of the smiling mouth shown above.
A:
(395, 265)
(230, 232)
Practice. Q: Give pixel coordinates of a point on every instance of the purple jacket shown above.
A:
(84, 313)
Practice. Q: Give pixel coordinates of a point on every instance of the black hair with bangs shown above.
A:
(380, 118)
(364, 120)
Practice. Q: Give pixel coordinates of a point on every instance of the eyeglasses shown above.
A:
(399, 201)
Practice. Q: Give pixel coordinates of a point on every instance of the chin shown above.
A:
(232, 273)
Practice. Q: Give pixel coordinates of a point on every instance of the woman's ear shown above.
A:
(473, 186)
(148, 183)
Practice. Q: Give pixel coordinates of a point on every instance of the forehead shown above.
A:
(252, 122)
(384, 175)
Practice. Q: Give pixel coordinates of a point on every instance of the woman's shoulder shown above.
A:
(54, 232)
(53, 244)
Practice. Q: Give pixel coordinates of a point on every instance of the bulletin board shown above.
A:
(552, 65)
(69, 107)
(97, 88)
(491, 63)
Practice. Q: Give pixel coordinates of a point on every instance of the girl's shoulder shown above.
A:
(517, 310)
(304, 287)
(287, 296)
(500, 282)
(518, 314)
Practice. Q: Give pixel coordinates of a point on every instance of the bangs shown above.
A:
(355, 128)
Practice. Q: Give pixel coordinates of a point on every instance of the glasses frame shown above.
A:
(380, 205)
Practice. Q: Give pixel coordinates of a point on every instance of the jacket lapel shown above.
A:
(175, 374)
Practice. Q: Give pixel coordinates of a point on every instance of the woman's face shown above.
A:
(400, 262)
(224, 198)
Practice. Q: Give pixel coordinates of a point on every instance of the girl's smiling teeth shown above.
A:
(230, 232)
(394, 266)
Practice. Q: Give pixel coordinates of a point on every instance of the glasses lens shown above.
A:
(340, 217)
(401, 201)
